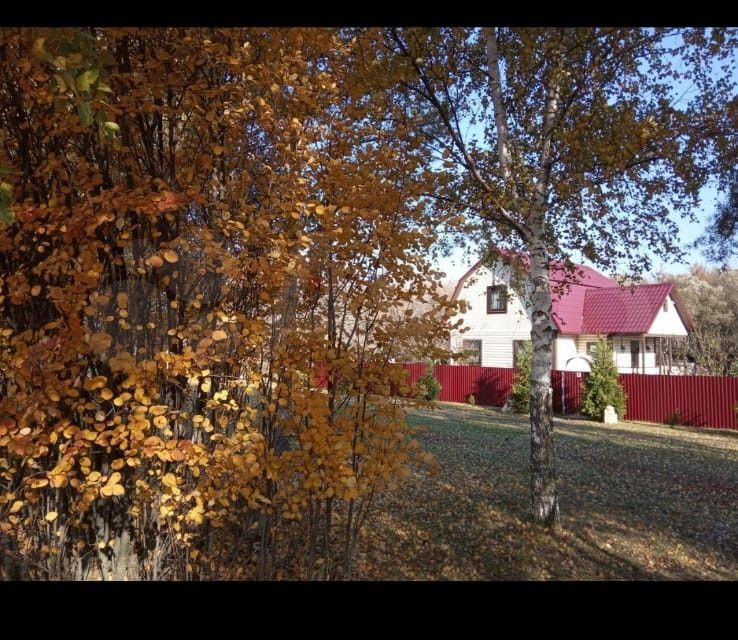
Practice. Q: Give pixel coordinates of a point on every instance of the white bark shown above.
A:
(495, 87)
(544, 495)
(542, 457)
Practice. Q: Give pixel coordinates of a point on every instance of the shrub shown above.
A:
(160, 340)
(520, 392)
(602, 386)
(432, 386)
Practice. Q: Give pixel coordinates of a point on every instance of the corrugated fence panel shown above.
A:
(416, 372)
(556, 380)
(699, 401)
(574, 387)
(490, 386)
(567, 391)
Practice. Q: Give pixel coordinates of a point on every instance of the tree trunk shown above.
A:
(542, 461)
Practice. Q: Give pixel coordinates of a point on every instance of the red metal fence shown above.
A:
(698, 401)
(567, 391)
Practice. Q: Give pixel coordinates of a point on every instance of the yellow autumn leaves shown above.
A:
(193, 343)
(100, 342)
(112, 487)
(157, 261)
(169, 480)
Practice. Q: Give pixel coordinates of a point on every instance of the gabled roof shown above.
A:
(586, 301)
(628, 310)
(568, 291)
(623, 310)
(464, 278)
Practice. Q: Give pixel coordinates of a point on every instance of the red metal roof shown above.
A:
(463, 279)
(585, 301)
(568, 291)
(623, 310)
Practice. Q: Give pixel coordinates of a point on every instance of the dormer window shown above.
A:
(497, 299)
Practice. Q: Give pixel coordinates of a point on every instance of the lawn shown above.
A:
(638, 502)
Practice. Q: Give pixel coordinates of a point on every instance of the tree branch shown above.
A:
(495, 87)
(430, 95)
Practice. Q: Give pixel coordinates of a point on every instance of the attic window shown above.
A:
(666, 304)
(497, 299)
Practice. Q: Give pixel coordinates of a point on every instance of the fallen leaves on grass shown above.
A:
(638, 502)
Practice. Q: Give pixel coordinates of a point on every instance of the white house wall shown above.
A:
(565, 348)
(497, 331)
(582, 341)
(668, 323)
(621, 349)
(571, 352)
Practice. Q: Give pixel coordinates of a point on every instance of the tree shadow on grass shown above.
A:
(634, 506)
(688, 495)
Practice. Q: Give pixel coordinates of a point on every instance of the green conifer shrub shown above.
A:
(602, 386)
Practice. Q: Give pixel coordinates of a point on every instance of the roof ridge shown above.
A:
(638, 286)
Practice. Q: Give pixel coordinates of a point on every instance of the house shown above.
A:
(641, 322)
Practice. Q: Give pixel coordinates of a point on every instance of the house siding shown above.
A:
(565, 349)
(571, 352)
(582, 341)
(497, 331)
(668, 323)
(621, 349)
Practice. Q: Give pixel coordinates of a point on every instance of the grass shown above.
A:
(638, 502)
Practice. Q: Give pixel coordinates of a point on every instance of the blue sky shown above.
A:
(459, 261)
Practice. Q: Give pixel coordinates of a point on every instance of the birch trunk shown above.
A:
(544, 496)
(542, 461)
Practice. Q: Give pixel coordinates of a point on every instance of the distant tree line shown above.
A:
(711, 298)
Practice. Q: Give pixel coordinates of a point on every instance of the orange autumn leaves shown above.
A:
(159, 355)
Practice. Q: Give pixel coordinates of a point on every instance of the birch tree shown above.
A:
(564, 143)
